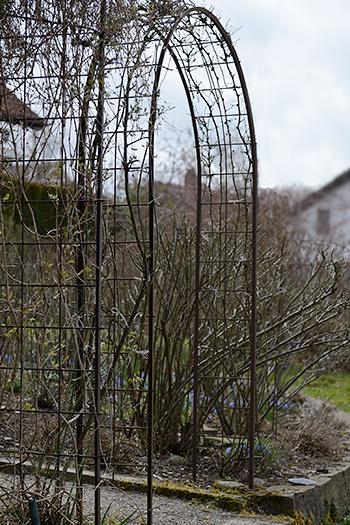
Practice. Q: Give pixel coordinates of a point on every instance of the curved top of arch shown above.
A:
(217, 96)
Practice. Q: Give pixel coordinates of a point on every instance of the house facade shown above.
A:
(15, 117)
(324, 215)
(24, 146)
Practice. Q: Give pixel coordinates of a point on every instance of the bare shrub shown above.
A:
(319, 429)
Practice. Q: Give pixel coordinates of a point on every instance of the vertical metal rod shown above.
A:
(150, 397)
(79, 264)
(150, 357)
(98, 298)
(253, 348)
(22, 256)
(253, 399)
(80, 283)
(59, 247)
(196, 314)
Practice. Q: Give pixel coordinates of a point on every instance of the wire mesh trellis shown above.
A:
(127, 330)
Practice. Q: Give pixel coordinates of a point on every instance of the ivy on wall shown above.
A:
(38, 204)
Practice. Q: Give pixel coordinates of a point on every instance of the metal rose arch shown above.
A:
(226, 180)
(128, 273)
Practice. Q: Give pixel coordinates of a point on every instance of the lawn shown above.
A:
(334, 387)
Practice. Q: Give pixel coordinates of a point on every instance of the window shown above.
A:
(323, 221)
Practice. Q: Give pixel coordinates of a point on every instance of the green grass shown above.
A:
(333, 387)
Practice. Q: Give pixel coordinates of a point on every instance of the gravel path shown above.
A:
(167, 511)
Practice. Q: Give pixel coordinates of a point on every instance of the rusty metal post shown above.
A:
(253, 392)
(149, 285)
(98, 299)
(196, 319)
(150, 396)
(80, 286)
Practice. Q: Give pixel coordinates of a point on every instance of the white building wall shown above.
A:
(327, 219)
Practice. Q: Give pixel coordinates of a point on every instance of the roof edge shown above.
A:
(317, 195)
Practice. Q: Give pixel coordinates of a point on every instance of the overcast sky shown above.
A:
(295, 57)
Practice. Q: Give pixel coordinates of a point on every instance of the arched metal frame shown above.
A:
(225, 147)
(200, 13)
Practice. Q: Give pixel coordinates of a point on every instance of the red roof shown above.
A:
(14, 110)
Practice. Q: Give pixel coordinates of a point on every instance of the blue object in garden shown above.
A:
(33, 511)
